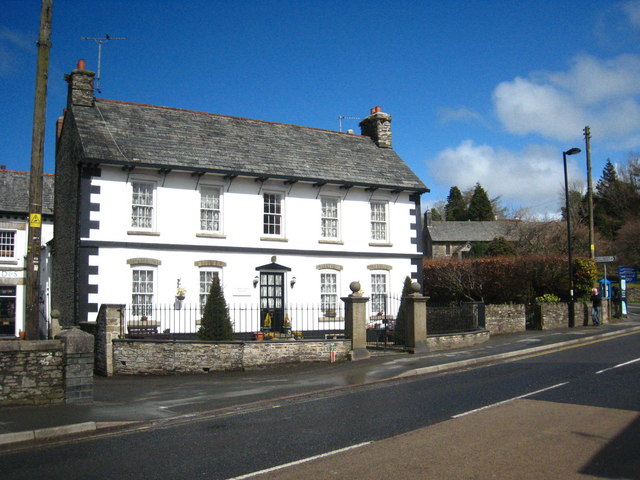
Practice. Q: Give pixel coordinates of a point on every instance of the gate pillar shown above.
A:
(355, 322)
(416, 320)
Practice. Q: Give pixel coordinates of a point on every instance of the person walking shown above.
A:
(596, 307)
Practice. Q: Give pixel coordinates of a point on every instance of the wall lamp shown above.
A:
(256, 280)
(293, 281)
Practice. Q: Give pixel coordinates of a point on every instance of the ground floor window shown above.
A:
(142, 292)
(7, 310)
(206, 279)
(378, 293)
(328, 293)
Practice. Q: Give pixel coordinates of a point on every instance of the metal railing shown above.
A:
(182, 321)
(309, 321)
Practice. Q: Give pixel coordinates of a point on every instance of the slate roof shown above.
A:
(130, 133)
(15, 192)
(471, 231)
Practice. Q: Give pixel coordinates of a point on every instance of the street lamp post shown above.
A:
(571, 151)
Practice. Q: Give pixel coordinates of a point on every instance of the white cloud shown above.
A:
(13, 45)
(533, 177)
(557, 105)
(462, 114)
(632, 10)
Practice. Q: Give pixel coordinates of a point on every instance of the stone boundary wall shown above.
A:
(450, 341)
(168, 357)
(505, 318)
(31, 372)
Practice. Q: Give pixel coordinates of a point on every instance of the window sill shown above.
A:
(210, 235)
(8, 262)
(143, 232)
(273, 239)
(379, 244)
(331, 242)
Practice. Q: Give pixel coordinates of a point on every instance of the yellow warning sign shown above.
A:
(35, 220)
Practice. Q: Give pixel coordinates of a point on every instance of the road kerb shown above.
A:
(507, 355)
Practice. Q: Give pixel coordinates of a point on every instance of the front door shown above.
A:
(272, 299)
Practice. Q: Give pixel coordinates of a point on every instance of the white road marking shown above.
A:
(619, 365)
(509, 400)
(298, 462)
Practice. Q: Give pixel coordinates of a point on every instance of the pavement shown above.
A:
(125, 400)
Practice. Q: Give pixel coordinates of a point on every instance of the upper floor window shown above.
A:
(142, 204)
(210, 210)
(329, 223)
(272, 218)
(379, 222)
(7, 244)
(142, 288)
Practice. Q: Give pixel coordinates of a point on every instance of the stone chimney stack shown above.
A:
(378, 127)
(80, 86)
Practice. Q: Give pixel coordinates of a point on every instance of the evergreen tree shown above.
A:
(498, 247)
(215, 324)
(435, 215)
(480, 209)
(456, 209)
(400, 328)
(615, 202)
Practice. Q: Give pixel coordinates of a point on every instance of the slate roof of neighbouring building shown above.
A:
(146, 135)
(14, 196)
(441, 231)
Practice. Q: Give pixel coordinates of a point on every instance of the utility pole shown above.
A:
(587, 139)
(32, 295)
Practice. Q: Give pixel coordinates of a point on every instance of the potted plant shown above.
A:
(258, 336)
(286, 326)
(266, 326)
(180, 292)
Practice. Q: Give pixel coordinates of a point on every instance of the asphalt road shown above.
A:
(546, 416)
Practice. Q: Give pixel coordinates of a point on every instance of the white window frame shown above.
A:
(379, 218)
(379, 293)
(213, 209)
(204, 285)
(273, 218)
(144, 280)
(329, 291)
(7, 244)
(136, 223)
(329, 217)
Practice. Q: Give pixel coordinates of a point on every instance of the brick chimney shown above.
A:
(80, 86)
(378, 127)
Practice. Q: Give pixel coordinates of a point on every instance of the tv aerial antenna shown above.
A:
(100, 41)
(343, 117)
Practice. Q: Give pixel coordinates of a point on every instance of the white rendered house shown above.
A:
(151, 201)
(14, 228)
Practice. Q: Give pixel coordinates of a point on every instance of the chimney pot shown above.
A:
(82, 64)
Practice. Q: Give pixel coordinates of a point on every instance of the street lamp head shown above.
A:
(572, 151)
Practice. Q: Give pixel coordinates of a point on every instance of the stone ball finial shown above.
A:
(55, 313)
(416, 287)
(354, 286)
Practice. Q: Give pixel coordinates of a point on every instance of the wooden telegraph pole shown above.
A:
(592, 246)
(32, 297)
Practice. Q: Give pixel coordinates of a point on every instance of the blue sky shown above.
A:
(480, 91)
